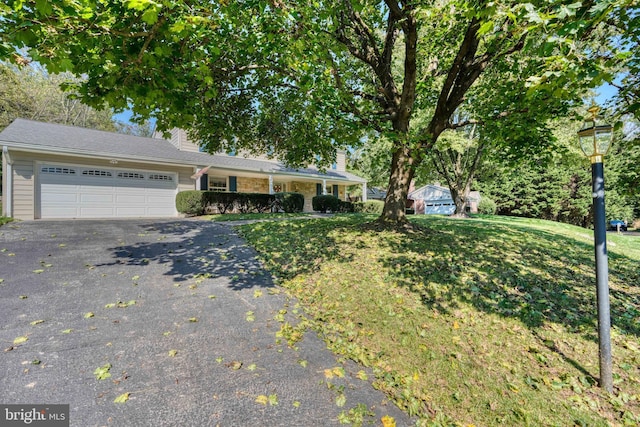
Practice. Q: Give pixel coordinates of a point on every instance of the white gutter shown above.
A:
(8, 176)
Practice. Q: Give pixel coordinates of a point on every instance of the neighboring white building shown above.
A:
(434, 199)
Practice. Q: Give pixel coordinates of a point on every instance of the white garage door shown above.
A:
(70, 191)
(446, 208)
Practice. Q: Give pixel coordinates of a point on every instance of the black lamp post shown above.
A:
(595, 141)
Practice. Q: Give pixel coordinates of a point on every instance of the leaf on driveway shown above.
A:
(122, 398)
(257, 293)
(250, 316)
(36, 322)
(172, 353)
(262, 399)
(388, 421)
(20, 340)
(89, 315)
(102, 373)
(38, 271)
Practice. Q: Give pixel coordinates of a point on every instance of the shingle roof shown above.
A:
(55, 138)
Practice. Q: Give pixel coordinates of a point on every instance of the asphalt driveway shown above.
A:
(182, 317)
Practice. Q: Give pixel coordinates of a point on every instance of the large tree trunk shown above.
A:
(460, 199)
(402, 171)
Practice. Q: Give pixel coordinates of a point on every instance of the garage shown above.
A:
(76, 191)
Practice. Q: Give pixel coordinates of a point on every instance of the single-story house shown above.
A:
(434, 199)
(56, 171)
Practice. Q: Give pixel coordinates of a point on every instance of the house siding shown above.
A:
(25, 195)
(23, 188)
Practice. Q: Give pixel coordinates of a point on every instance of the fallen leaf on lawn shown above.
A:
(172, 353)
(456, 325)
(102, 373)
(122, 398)
(388, 421)
(20, 340)
(37, 322)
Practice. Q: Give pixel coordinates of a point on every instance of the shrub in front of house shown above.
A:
(191, 202)
(346, 207)
(325, 203)
(260, 203)
(221, 202)
(289, 202)
(369, 207)
(487, 206)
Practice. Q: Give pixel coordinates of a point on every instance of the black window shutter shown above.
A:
(233, 183)
(204, 182)
(318, 189)
(336, 192)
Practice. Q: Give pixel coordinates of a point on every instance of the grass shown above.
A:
(253, 216)
(4, 219)
(487, 321)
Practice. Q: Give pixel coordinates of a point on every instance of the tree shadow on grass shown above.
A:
(520, 272)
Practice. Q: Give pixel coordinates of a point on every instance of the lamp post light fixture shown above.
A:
(595, 141)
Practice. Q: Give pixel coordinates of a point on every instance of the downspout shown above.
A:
(8, 185)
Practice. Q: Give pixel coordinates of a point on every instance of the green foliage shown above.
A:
(31, 93)
(369, 207)
(345, 207)
(486, 206)
(289, 202)
(191, 202)
(308, 78)
(478, 321)
(326, 202)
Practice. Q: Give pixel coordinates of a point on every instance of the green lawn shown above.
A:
(487, 321)
(253, 216)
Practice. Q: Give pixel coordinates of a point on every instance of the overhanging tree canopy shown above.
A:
(305, 78)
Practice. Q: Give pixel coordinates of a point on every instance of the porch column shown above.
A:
(270, 184)
(324, 187)
(364, 191)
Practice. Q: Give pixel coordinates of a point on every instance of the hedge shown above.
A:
(325, 203)
(289, 202)
(191, 202)
(195, 202)
(370, 207)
